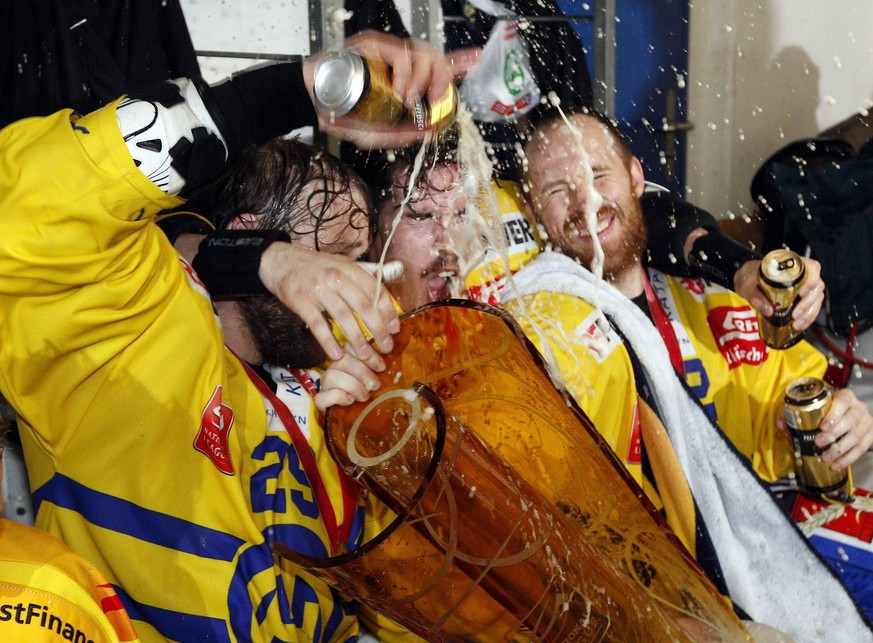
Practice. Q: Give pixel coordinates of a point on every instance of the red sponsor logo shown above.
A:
(489, 292)
(635, 447)
(695, 285)
(215, 425)
(736, 333)
(505, 110)
(593, 331)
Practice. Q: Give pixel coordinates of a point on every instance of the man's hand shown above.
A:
(318, 285)
(847, 430)
(417, 70)
(348, 379)
(812, 292)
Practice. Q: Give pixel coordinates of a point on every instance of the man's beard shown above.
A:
(282, 338)
(625, 253)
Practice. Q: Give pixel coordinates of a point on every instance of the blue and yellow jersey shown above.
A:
(150, 450)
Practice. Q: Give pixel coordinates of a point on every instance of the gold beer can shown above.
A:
(807, 402)
(347, 83)
(780, 276)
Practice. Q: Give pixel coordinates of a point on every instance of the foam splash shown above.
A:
(592, 204)
(480, 235)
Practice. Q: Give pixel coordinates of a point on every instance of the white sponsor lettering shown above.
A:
(741, 325)
(518, 231)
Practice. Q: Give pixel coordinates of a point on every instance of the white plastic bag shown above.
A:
(501, 86)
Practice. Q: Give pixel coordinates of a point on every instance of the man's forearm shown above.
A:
(717, 258)
(686, 241)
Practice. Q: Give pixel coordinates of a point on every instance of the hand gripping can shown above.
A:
(780, 277)
(807, 402)
(347, 83)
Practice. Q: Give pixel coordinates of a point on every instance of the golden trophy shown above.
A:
(513, 520)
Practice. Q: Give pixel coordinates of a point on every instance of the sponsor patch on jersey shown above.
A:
(736, 331)
(519, 233)
(595, 334)
(696, 286)
(215, 424)
(295, 395)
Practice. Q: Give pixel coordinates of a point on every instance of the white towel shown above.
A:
(771, 570)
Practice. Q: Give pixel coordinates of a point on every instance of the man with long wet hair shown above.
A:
(318, 201)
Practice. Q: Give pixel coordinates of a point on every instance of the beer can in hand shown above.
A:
(807, 402)
(347, 83)
(780, 277)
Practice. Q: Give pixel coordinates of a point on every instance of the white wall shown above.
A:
(763, 74)
(254, 26)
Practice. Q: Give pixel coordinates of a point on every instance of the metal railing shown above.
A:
(326, 32)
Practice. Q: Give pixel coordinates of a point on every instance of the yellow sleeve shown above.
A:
(87, 271)
(591, 363)
(73, 202)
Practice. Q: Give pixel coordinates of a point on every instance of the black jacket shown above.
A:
(85, 53)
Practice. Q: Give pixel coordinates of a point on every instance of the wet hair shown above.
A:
(622, 143)
(387, 170)
(290, 185)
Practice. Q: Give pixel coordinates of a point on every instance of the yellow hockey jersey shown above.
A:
(150, 450)
(48, 593)
(739, 380)
(733, 373)
(522, 243)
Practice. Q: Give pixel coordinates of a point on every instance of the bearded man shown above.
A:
(666, 368)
